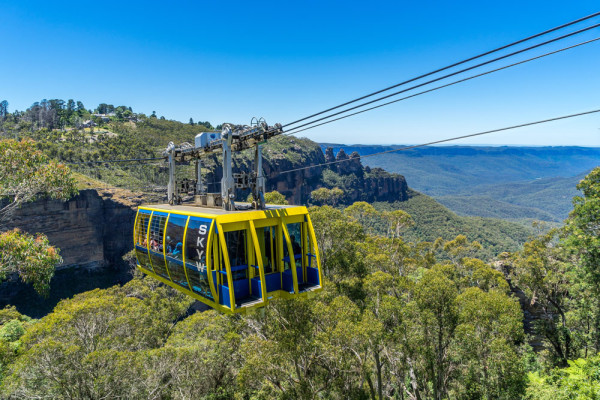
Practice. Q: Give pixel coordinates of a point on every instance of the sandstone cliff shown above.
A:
(93, 229)
(286, 153)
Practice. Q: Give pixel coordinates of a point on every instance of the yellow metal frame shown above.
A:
(259, 262)
(148, 242)
(164, 238)
(279, 253)
(217, 248)
(219, 307)
(256, 215)
(311, 230)
(251, 256)
(137, 214)
(290, 254)
(209, 266)
(227, 265)
(164, 246)
(185, 269)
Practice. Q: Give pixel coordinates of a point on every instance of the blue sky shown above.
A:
(230, 61)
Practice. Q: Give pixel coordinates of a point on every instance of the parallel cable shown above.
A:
(447, 67)
(306, 125)
(297, 129)
(452, 74)
(115, 161)
(445, 140)
(293, 131)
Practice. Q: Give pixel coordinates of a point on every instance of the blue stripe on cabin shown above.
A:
(256, 287)
(312, 275)
(273, 282)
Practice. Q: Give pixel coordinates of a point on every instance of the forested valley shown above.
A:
(405, 313)
(517, 183)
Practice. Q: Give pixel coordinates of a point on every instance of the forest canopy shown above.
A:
(400, 316)
(397, 319)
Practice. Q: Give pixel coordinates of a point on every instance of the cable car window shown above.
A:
(234, 281)
(267, 238)
(236, 247)
(156, 236)
(141, 238)
(309, 244)
(174, 248)
(295, 231)
(196, 245)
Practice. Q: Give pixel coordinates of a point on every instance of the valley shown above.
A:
(514, 183)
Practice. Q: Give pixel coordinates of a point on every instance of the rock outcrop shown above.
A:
(295, 167)
(359, 183)
(92, 230)
(295, 185)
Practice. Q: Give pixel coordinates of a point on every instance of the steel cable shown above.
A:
(449, 66)
(452, 74)
(292, 132)
(445, 140)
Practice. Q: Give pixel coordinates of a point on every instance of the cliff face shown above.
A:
(379, 185)
(346, 172)
(92, 229)
(286, 153)
(296, 185)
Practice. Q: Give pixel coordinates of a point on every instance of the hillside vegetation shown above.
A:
(395, 320)
(409, 309)
(134, 135)
(433, 220)
(548, 195)
(67, 132)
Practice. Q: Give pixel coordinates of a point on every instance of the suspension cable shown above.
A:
(293, 131)
(445, 140)
(448, 67)
(297, 129)
(452, 74)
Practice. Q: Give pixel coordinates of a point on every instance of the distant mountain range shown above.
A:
(519, 183)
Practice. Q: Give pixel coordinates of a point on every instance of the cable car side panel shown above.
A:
(231, 261)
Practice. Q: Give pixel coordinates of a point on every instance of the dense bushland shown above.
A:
(392, 321)
(396, 320)
(400, 317)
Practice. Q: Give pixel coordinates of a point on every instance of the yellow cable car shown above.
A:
(233, 261)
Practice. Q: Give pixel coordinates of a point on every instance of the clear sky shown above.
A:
(230, 61)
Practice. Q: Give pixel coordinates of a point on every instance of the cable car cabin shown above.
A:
(232, 261)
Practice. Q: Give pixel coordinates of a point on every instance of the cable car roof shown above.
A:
(271, 210)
